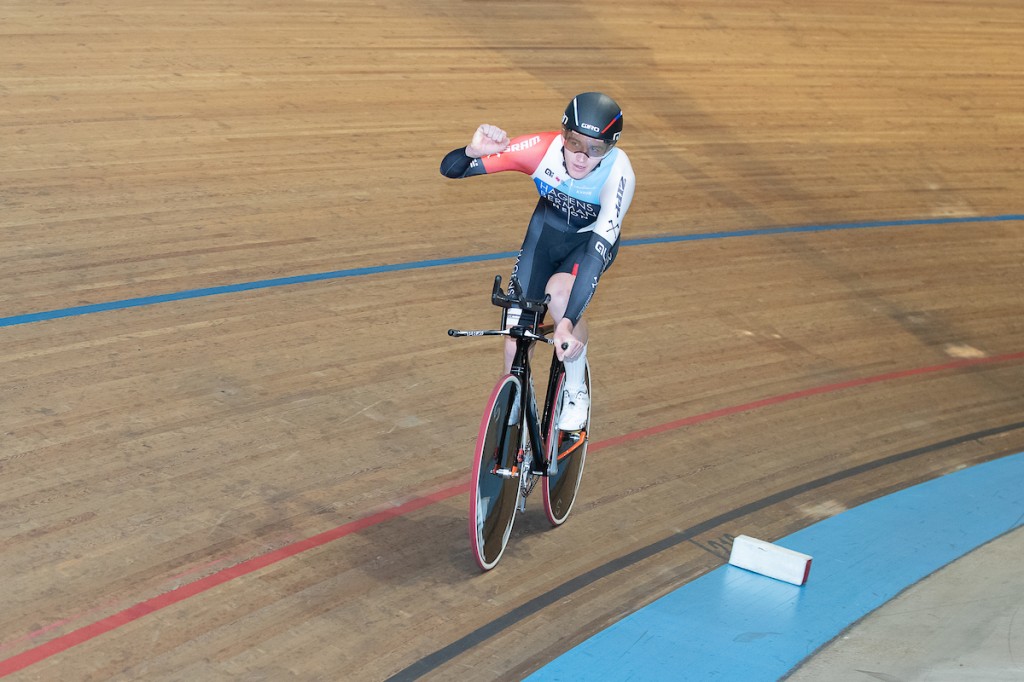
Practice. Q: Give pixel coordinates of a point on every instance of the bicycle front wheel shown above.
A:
(494, 487)
(567, 450)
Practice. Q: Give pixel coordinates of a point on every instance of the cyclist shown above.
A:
(586, 185)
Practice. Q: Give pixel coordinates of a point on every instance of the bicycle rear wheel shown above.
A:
(494, 487)
(569, 450)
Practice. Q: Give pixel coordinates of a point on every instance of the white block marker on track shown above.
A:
(770, 560)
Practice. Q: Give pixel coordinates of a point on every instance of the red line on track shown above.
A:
(816, 390)
(133, 613)
(100, 627)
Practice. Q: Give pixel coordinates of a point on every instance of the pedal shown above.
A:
(570, 442)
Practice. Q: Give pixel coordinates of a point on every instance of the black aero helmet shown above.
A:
(595, 115)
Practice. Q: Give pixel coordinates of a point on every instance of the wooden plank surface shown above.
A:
(269, 483)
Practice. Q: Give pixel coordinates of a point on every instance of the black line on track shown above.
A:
(541, 601)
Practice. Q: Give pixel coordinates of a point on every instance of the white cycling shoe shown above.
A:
(575, 411)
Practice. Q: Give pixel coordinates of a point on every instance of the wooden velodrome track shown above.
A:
(269, 483)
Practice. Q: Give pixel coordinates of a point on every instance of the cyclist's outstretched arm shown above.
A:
(491, 151)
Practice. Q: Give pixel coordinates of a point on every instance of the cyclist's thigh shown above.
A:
(539, 257)
(537, 261)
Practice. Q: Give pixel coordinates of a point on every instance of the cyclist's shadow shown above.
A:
(434, 549)
(429, 547)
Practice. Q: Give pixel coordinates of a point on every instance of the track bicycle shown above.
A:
(516, 449)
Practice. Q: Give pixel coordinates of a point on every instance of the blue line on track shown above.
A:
(442, 262)
(732, 624)
(245, 286)
(819, 228)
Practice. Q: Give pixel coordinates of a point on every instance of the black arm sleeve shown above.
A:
(590, 268)
(456, 163)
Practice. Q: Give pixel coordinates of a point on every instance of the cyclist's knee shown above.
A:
(559, 287)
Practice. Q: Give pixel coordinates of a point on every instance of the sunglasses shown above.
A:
(581, 144)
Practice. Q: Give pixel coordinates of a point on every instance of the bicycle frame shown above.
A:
(528, 405)
(525, 337)
(513, 455)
